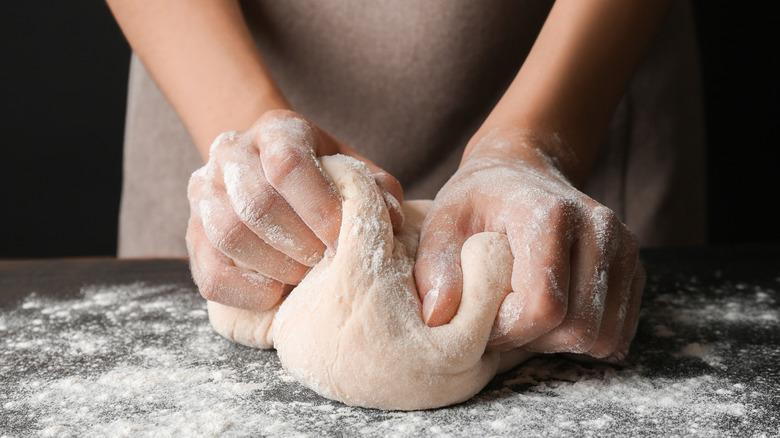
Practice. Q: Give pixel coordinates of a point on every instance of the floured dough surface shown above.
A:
(353, 331)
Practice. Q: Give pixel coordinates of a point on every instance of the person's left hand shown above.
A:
(576, 279)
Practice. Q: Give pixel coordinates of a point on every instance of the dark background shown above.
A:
(62, 99)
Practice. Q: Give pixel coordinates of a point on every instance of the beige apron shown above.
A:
(407, 83)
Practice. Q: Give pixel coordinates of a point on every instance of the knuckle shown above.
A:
(605, 227)
(605, 220)
(230, 239)
(253, 211)
(582, 337)
(197, 181)
(608, 215)
(209, 286)
(225, 236)
(280, 162)
(558, 210)
(223, 141)
(548, 311)
(283, 126)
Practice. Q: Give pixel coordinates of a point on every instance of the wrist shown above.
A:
(538, 148)
(239, 117)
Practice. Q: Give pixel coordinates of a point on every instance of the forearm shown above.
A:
(568, 87)
(202, 57)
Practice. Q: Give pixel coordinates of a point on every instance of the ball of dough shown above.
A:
(352, 330)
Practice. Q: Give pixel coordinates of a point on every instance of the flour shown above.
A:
(141, 360)
(545, 218)
(280, 133)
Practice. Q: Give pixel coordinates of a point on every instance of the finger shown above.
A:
(589, 281)
(228, 234)
(219, 280)
(628, 330)
(260, 206)
(540, 282)
(437, 270)
(386, 184)
(287, 151)
(391, 188)
(621, 275)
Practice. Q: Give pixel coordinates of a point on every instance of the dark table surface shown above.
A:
(124, 348)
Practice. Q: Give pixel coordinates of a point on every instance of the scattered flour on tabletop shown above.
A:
(140, 360)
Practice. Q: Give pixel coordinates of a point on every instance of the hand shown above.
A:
(576, 279)
(263, 211)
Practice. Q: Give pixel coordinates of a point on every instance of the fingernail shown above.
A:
(429, 303)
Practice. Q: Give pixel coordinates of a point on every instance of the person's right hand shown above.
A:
(263, 211)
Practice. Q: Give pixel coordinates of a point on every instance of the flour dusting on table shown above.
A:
(142, 360)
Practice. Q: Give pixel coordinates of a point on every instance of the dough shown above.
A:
(352, 330)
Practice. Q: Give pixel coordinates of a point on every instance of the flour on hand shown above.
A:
(352, 330)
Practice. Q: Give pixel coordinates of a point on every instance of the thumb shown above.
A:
(437, 271)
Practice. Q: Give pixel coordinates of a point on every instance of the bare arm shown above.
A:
(575, 74)
(202, 56)
(576, 279)
(261, 210)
